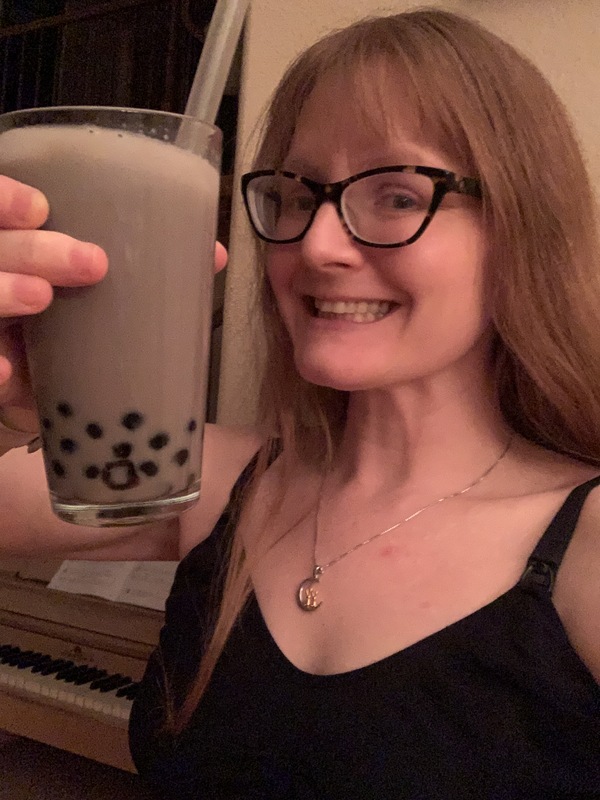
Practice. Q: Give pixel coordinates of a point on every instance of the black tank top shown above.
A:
(497, 706)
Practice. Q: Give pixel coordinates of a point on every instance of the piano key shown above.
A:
(130, 691)
(104, 704)
(115, 682)
(69, 675)
(90, 675)
(13, 660)
(32, 660)
(101, 682)
(54, 666)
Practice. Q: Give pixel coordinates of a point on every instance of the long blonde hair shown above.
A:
(483, 102)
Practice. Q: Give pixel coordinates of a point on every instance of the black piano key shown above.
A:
(8, 653)
(128, 692)
(15, 659)
(41, 663)
(101, 682)
(54, 666)
(115, 682)
(69, 675)
(123, 690)
(92, 674)
(31, 660)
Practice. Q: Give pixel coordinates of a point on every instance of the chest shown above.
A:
(392, 592)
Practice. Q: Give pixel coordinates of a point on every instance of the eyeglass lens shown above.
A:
(385, 208)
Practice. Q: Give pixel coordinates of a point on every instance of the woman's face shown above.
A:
(432, 289)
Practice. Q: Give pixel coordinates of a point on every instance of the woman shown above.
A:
(379, 610)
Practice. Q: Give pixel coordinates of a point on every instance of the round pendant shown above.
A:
(307, 595)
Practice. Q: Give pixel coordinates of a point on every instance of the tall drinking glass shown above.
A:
(120, 369)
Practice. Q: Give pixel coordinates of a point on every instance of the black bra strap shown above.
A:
(545, 560)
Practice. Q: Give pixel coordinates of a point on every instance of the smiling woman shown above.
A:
(428, 293)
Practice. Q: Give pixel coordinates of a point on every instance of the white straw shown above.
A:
(215, 61)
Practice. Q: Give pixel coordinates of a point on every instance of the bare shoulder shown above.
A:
(226, 451)
(577, 593)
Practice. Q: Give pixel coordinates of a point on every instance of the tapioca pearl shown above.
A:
(46, 424)
(122, 449)
(68, 445)
(192, 425)
(94, 431)
(91, 472)
(120, 475)
(159, 441)
(58, 469)
(64, 409)
(132, 420)
(191, 478)
(149, 468)
(181, 456)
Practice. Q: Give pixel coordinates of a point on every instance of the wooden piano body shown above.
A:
(89, 631)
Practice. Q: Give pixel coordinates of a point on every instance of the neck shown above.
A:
(417, 439)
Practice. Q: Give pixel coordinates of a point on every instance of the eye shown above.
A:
(296, 200)
(391, 194)
(396, 196)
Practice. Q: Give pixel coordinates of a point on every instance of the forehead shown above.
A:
(361, 121)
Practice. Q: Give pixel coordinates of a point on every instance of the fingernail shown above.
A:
(39, 205)
(30, 207)
(88, 259)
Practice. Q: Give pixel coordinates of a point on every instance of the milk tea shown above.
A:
(120, 368)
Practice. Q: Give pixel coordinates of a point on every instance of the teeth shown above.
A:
(362, 308)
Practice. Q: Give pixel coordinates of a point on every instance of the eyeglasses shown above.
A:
(383, 207)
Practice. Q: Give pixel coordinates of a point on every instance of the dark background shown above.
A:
(137, 53)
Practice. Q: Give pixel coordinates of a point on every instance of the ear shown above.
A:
(220, 257)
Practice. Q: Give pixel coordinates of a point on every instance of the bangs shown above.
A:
(389, 96)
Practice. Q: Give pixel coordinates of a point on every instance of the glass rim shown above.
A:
(111, 109)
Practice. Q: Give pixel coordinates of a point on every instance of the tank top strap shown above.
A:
(542, 566)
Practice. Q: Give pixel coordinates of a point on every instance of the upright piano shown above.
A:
(69, 664)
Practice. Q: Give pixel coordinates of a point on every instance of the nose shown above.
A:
(327, 241)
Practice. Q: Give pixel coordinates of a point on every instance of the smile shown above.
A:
(352, 311)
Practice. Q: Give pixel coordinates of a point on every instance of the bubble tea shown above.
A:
(120, 369)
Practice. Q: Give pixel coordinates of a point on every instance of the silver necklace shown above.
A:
(306, 596)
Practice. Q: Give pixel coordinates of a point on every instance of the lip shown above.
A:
(347, 299)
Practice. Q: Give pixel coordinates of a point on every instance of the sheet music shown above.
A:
(149, 584)
(140, 583)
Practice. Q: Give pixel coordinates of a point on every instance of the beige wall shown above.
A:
(561, 36)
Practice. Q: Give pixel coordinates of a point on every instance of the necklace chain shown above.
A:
(307, 593)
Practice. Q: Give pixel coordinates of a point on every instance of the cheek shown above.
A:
(452, 262)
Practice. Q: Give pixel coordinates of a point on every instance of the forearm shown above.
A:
(28, 528)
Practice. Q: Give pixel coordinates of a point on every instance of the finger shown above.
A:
(5, 372)
(220, 257)
(15, 386)
(59, 259)
(23, 294)
(21, 206)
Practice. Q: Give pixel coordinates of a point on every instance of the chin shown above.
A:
(332, 378)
